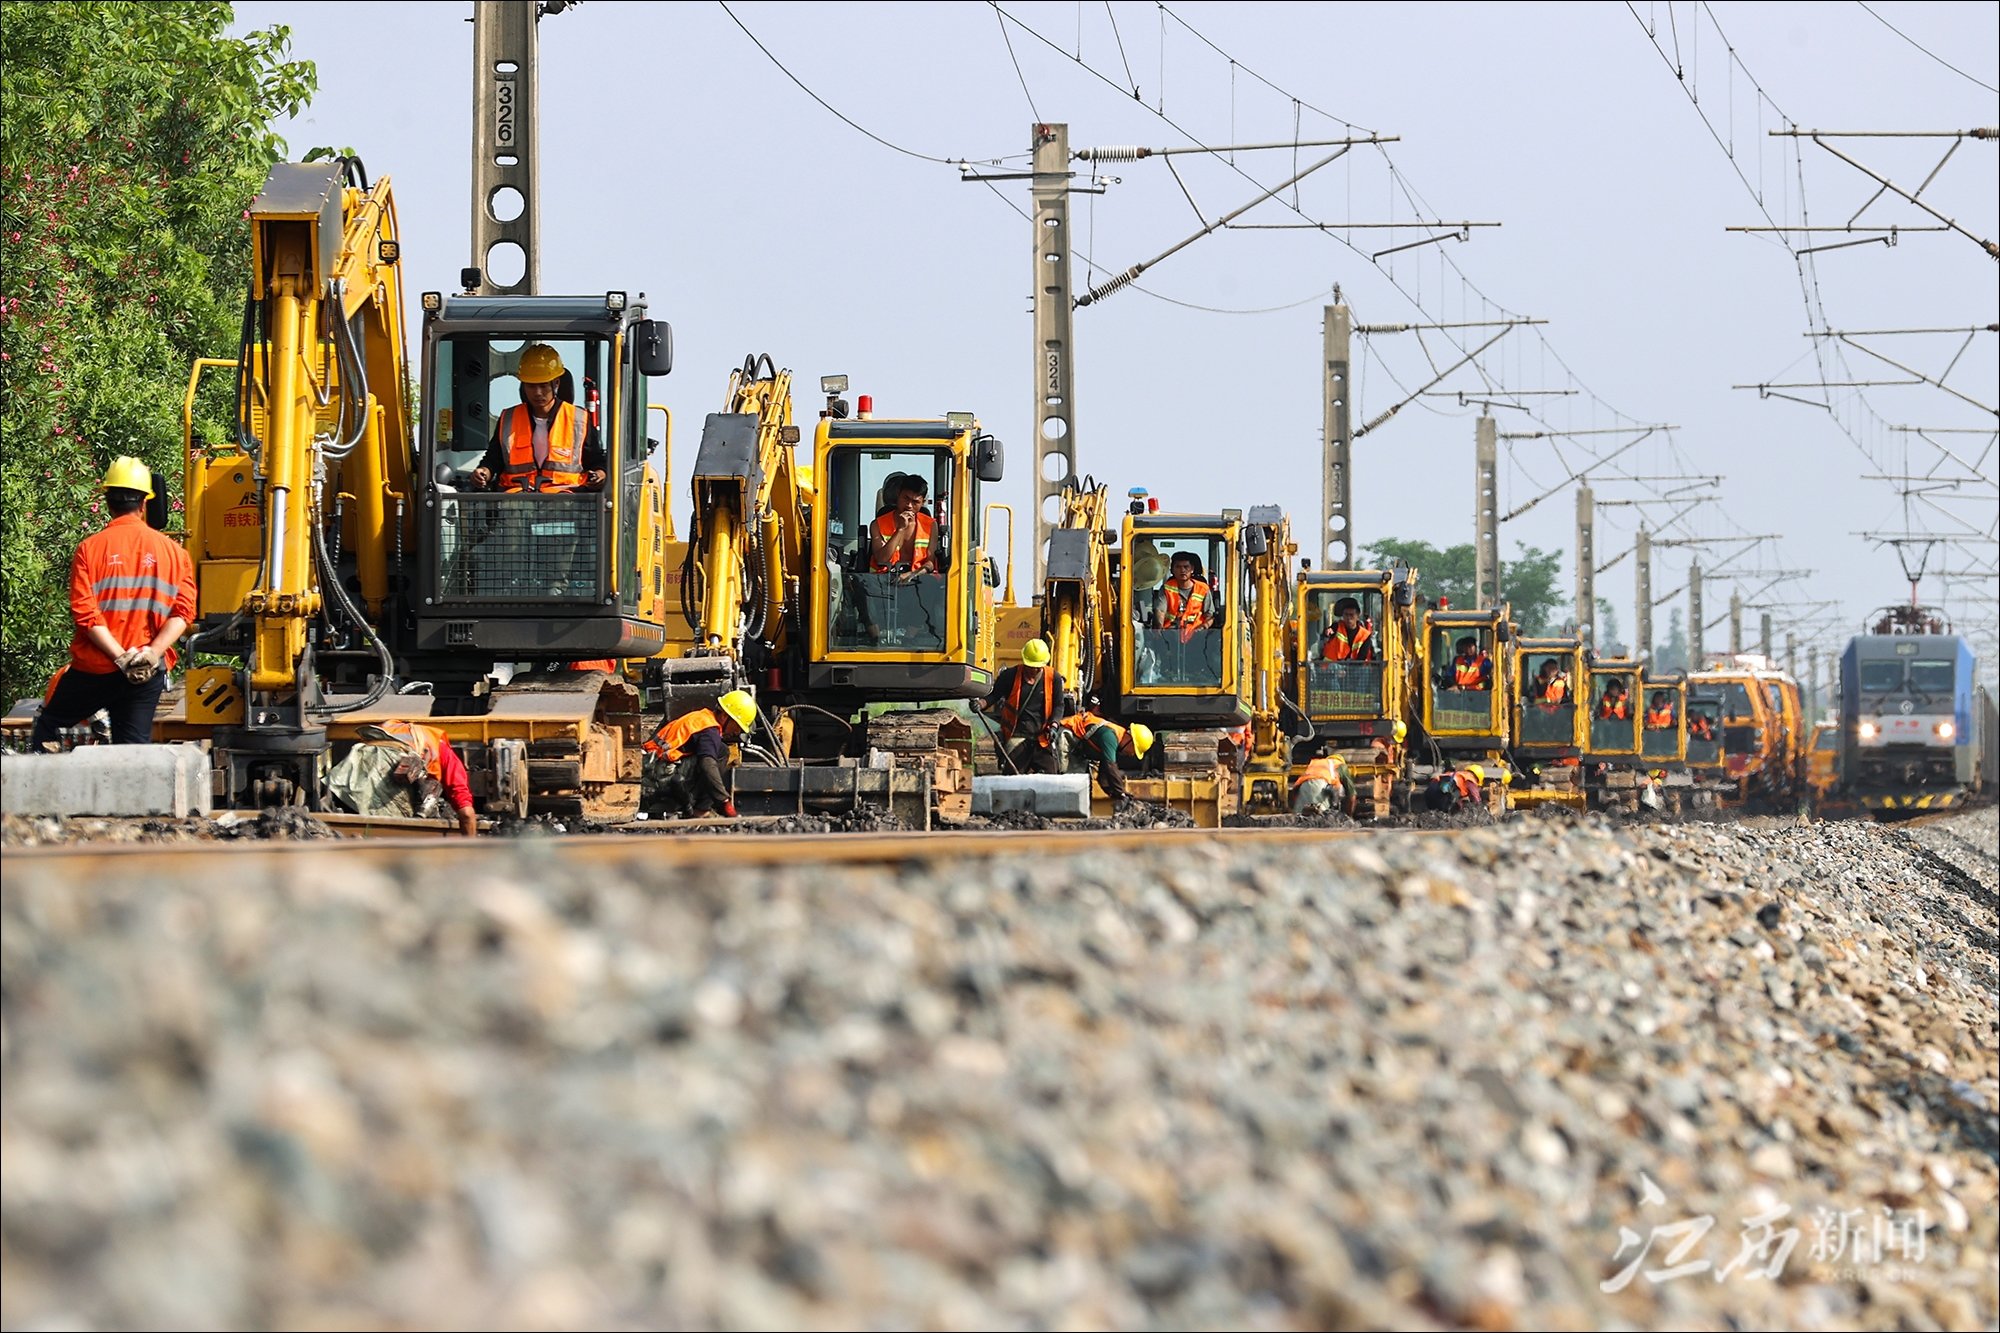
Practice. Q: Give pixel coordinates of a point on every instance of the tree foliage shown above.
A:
(1528, 582)
(135, 137)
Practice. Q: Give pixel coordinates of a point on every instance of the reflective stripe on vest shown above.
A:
(920, 540)
(1184, 609)
(1470, 674)
(426, 741)
(1555, 690)
(1082, 724)
(1011, 714)
(564, 467)
(1660, 719)
(672, 738)
(1327, 768)
(1612, 712)
(1339, 647)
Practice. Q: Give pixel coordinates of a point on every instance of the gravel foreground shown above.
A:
(1549, 1073)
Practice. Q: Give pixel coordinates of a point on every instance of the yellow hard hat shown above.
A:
(1399, 731)
(1478, 773)
(129, 474)
(1142, 739)
(540, 364)
(740, 706)
(1035, 653)
(1506, 777)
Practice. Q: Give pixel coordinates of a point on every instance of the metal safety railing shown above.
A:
(1343, 689)
(520, 548)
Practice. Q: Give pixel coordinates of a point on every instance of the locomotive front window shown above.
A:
(1881, 677)
(1930, 677)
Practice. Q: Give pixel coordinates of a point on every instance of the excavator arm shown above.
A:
(1079, 602)
(1270, 554)
(746, 549)
(323, 401)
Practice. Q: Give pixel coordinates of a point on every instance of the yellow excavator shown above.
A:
(838, 593)
(350, 560)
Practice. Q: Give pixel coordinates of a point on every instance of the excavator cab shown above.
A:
(1467, 684)
(541, 562)
(904, 611)
(1183, 598)
(1617, 711)
(1549, 723)
(1663, 737)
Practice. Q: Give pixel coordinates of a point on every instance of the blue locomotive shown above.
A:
(1917, 728)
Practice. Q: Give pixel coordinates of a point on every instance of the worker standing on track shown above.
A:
(696, 744)
(1030, 702)
(132, 595)
(1104, 742)
(1325, 785)
(431, 763)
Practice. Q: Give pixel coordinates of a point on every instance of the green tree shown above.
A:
(132, 139)
(1527, 582)
(1673, 654)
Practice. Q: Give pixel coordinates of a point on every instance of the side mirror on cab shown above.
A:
(653, 348)
(989, 459)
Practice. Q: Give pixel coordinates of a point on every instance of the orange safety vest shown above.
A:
(1469, 674)
(609, 665)
(1699, 728)
(426, 741)
(1010, 713)
(564, 467)
(1184, 609)
(672, 738)
(1080, 725)
(1556, 690)
(920, 540)
(1466, 786)
(1612, 712)
(1339, 647)
(1327, 768)
(1659, 719)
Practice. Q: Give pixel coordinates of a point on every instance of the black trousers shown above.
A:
(1030, 756)
(79, 694)
(697, 786)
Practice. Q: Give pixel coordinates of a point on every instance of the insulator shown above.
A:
(1098, 293)
(1115, 153)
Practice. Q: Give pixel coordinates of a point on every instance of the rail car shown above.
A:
(1917, 728)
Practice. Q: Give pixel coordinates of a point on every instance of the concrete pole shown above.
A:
(1486, 516)
(1696, 652)
(1586, 565)
(1642, 624)
(1812, 678)
(1054, 414)
(1336, 503)
(1735, 623)
(1791, 655)
(506, 174)
(1764, 635)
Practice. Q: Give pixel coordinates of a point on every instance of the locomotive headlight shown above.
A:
(1946, 731)
(1868, 731)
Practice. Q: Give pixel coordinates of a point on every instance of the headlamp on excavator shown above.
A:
(960, 420)
(388, 252)
(433, 301)
(614, 302)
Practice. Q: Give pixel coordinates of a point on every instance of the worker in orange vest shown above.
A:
(1472, 669)
(1551, 688)
(1454, 789)
(132, 596)
(1105, 742)
(1324, 785)
(432, 768)
(1660, 713)
(1030, 702)
(1613, 706)
(696, 743)
(1182, 604)
(544, 444)
(1349, 638)
(1700, 728)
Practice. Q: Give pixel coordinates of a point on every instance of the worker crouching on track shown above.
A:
(696, 744)
(1455, 789)
(430, 768)
(1104, 743)
(1325, 785)
(1029, 701)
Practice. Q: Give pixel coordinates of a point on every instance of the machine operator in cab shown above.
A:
(1472, 668)
(900, 538)
(1613, 706)
(1660, 712)
(1182, 604)
(544, 444)
(1550, 687)
(1348, 639)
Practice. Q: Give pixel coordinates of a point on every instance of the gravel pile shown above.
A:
(1471, 1080)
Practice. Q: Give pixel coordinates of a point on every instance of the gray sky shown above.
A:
(680, 161)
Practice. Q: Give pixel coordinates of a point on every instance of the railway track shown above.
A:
(682, 847)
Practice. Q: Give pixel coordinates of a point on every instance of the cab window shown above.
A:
(1330, 638)
(1180, 606)
(888, 539)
